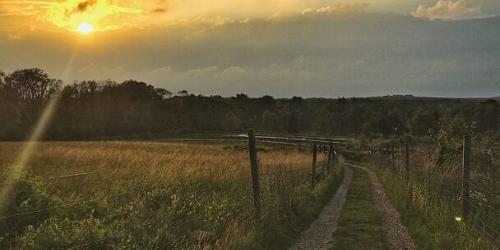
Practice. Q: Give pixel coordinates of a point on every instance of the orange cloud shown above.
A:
(337, 8)
(103, 14)
(449, 10)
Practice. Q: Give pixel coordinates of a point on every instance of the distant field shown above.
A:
(145, 194)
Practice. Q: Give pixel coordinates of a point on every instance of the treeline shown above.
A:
(97, 109)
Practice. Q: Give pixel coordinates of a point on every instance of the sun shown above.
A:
(85, 28)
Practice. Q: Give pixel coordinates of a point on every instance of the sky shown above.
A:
(310, 48)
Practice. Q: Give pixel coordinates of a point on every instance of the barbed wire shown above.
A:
(475, 227)
(481, 223)
(70, 175)
(44, 210)
(479, 209)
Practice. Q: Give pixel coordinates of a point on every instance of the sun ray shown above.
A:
(39, 130)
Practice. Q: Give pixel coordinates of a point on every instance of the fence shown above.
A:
(467, 177)
(315, 172)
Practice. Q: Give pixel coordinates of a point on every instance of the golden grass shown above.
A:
(145, 159)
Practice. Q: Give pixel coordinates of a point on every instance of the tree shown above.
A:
(32, 84)
(2, 78)
(486, 115)
(424, 121)
(270, 122)
(231, 122)
(267, 100)
(26, 91)
(242, 97)
(163, 93)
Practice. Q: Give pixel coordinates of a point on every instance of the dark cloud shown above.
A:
(162, 6)
(81, 7)
(159, 10)
(84, 6)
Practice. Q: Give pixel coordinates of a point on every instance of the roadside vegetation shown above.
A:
(431, 205)
(430, 218)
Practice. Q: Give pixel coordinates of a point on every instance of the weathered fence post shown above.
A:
(300, 149)
(255, 172)
(407, 163)
(393, 160)
(330, 154)
(466, 177)
(313, 174)
(407, 174)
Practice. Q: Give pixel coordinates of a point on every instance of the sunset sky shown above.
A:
(323, 48)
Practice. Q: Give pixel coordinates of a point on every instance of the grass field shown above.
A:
(155, 196)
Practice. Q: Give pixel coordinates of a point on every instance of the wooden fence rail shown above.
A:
(253, 139)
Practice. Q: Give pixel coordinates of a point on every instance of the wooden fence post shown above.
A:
(336, 157)
(407, 163)
(407, 174)
(255, 172)
(330, 154)
(466, 177)
(313, 174)
(393, 160)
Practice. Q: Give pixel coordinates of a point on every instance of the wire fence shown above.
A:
(470, 182)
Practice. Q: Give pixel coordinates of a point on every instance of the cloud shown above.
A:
(103, 14)
(23, 8)
(449, 10)
(338, 8)
(161, 6)
(84, 6)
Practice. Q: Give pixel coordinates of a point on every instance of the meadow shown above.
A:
(156, 195)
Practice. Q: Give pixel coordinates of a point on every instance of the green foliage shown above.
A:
(271, 122)
(55, 233)
(27, 195)
(424, 122)
(449, 140)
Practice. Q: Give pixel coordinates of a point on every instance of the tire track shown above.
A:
(320, 233)
(397, 233)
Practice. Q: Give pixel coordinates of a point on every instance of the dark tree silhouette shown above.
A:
(100, 109)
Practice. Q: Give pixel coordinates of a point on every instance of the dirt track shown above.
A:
(320, 233)
(397, 233)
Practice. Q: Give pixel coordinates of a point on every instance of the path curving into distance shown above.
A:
(397, 233)
(320, 233)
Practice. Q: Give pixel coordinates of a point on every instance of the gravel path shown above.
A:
(319, 235)
(397, 233)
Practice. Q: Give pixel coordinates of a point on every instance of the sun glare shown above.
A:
(85, 28)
